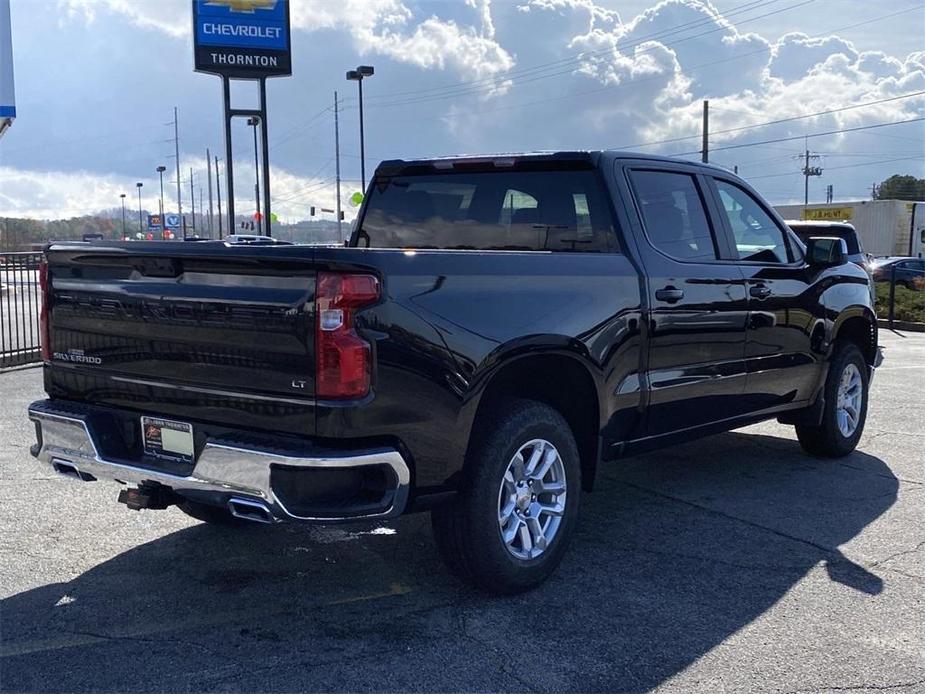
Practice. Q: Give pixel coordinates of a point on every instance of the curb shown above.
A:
(902, 325)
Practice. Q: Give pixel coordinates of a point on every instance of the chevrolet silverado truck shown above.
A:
(496, 330)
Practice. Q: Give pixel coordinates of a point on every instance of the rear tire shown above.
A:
(216, 515)
(845, 408)
(508, 527)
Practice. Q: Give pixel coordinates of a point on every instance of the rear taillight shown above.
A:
(44, 328)
(343, 358)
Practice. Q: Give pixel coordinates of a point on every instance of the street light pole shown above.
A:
(357, 76)
(218, 194)
(255, 121)
(192, 197)
(140, 227)
(160, 171)
(122, 195)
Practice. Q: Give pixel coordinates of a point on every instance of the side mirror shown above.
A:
(826, 251)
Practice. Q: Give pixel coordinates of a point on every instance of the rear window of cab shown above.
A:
(536, 210)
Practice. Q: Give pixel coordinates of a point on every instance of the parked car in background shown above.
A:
(909, 272)
(806, 229)
(254, 240)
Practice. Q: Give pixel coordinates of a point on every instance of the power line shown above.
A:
(306, 190)
(457, 91)
(800, 137)
(576, 58)
(692, 68)
(303, 127)
(775, 122)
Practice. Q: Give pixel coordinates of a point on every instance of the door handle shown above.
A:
(669, 294)
(760, 291)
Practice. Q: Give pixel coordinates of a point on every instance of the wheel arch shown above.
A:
(556, 375)
(858, 325)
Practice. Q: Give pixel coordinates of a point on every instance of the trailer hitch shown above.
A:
(154, 497)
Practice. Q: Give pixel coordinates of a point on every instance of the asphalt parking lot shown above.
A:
(734, 563)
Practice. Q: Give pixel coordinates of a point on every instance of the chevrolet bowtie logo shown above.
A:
(248, 6)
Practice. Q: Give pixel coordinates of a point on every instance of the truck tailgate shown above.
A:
(203, 327)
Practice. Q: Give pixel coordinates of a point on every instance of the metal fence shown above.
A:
(20, 304)
(901, 292)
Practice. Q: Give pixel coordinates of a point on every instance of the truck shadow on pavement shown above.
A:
(675, 552)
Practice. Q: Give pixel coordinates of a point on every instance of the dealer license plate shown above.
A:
(164, 438)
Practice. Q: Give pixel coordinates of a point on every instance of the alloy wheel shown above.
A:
(531, 500)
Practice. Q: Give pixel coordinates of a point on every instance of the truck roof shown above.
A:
(502, 159)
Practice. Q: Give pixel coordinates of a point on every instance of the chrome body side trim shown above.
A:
(225, 471)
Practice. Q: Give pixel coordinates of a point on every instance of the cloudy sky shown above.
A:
(97, 81)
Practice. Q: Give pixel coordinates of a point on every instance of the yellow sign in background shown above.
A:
(829, 214)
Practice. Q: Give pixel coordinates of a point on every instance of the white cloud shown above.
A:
(381, 27)
(65, 194)
(795, 54)
(168, 16)
(389, 27)
(673, 55)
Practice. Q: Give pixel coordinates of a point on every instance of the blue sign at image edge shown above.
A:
(7, 111)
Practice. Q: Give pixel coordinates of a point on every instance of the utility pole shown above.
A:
(192, 196)
(829, 193)
(705, 147)
(176, 150)
(202, 222)
(807, 172)
(218, 194)
(209, 167)
(122, 195)
(337, 165)
(139, 185)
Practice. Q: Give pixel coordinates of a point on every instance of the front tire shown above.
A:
(511, 521)
(845, 407)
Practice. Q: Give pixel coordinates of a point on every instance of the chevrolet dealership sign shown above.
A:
(245, 39)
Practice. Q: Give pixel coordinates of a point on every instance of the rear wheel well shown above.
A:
(562, 383)
(861, 332)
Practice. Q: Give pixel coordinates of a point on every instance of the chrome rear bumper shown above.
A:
(223, 474)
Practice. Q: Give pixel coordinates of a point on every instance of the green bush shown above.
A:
(910, 303)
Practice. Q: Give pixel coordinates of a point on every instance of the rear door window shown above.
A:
(556, 210)
(673, 214)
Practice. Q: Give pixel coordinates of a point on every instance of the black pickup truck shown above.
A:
(497, 328)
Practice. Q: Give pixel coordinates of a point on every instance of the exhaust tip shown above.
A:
(250, 510)
(68, 469)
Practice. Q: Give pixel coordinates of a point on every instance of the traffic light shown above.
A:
(311, 211)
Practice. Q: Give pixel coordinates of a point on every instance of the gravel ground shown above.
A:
(734, 563)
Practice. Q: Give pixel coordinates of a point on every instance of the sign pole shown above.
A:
(209, 168)
(218, 197)
(244, 40)
(265, 145)
(229, 166)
